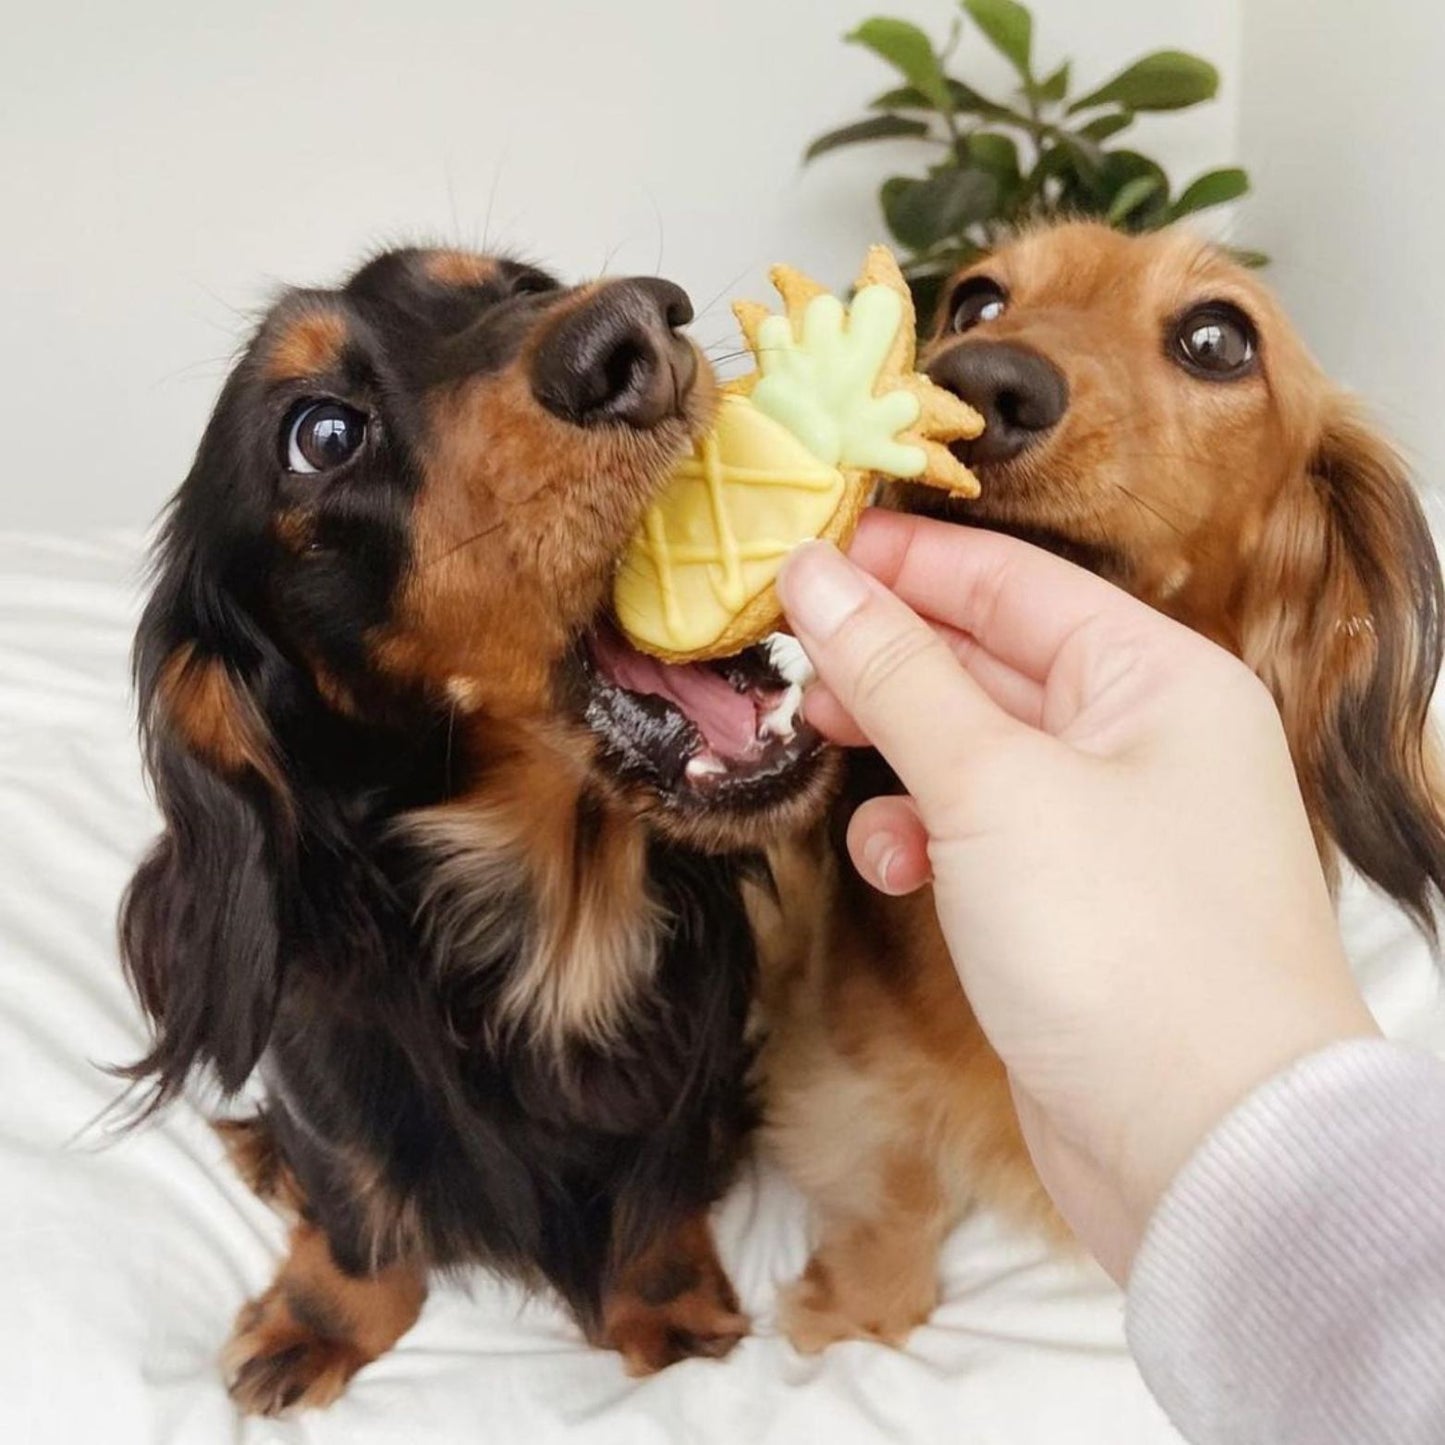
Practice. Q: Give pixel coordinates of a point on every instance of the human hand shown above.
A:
(1121, 861)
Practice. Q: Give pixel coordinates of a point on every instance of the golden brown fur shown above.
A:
(310, 344)
(673, 1301)
(217, 720)
(596, 937)
(316, 1325)
(301, 1341)
(1262, 512)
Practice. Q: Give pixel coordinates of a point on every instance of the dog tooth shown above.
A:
(787, 655)
(781, 720)
(704, 765)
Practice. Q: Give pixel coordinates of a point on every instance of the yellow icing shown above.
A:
(819, 382)
(835, 400)
(718, 534)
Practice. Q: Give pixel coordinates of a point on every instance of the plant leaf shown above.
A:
(1084, 154)
(909, 51)
(966, 98)
(1055, 162)
(963, 97)
(877, 127)
(1096, 194)
(1052, 89)
(1009, 27)
(1213, 188)
(997, 154)
(1130, 197)
(1103, 126)
(1245, 257)
(905, 97)
(920, 213)
(1121, 167)
(1166, 80)
(970, 102)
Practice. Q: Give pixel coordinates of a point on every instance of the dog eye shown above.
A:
(976, 300)
(1216, 341)
(322, 436)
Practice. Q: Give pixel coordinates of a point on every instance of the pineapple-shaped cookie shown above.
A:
(797, 447)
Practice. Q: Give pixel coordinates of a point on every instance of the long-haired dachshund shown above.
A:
(1151, 414)
(434, 861)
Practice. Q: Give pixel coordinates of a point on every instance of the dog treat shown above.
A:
(795, 452)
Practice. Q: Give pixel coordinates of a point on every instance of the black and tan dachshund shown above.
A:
(429, 867)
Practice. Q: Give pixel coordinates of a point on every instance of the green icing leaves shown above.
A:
(820, 385)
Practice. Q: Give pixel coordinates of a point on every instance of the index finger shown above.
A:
(892, 674)
(1020, 603)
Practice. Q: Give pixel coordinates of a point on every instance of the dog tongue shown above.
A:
(725, 717)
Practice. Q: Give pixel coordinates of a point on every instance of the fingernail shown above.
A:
(820, 589)
(880, 853)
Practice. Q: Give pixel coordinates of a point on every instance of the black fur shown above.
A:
(553, 1168)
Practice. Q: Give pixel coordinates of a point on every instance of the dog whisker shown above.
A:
(207, 366)
(491, 202)
(1202, 460)
(718, 296)
(722, 358)
(450, 179)
(609, 258)
(457, 547)
(1152, 510)
(657, 213)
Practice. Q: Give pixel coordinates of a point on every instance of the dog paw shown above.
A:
(677, 1314)
(814, 1313)
(652, 1338)
(275, 1363)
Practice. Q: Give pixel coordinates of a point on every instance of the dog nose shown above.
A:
(618, 357)
(1019, 395)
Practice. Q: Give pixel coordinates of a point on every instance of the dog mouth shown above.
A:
(1015, 475)
(729, 732)
(1017, 499)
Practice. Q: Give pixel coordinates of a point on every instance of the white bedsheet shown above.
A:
(124, 1261)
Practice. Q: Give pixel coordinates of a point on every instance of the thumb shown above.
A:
(894, 676)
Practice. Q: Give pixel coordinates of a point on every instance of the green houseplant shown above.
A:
(1040, 151)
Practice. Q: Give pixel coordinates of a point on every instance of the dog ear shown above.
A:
(1343, 618)
(199, 929)
(200, 924)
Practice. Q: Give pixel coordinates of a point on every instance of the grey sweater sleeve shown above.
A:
(1290, 1289)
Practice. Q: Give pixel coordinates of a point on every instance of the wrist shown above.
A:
(1201, 1093)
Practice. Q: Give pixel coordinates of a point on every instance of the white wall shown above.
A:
(164, 165)
(1343, 125)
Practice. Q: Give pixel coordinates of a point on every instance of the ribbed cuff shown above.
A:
(1290, 1289)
